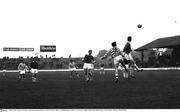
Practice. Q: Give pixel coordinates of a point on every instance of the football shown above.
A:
(139, 26)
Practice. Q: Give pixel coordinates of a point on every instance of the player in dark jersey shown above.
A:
(88, 65)
(22, 70)
(127, 50)
(34, 70)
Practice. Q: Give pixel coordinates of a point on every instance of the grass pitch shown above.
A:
(56, 90)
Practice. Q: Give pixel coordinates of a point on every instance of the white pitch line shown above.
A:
(60, 70)
(169, 68)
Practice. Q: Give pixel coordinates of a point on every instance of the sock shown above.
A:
(116, 75)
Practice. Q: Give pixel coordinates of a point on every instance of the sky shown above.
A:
(75, 26)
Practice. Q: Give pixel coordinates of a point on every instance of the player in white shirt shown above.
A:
(117, 56)
(102, 71)
(22, 70)
(72, 68)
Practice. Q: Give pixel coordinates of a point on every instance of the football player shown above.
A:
(72, 68)
(102, 71)
(117, 56)
(88, 65)
(127, 50)
(22, 70)
(34, 69)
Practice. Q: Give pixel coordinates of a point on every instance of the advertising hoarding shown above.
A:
(47, 48)
(17, 49)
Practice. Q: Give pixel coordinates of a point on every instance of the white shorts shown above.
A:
(22, 72)
(120, 67)
(34, 70)
(101, 68)
(128, 56)
(117, 59)
(88, 66)
(4, 70)
(72, 69)
(92, 66)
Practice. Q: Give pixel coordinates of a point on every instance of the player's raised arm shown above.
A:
(83, 60)
(93, 61)
(19, 66)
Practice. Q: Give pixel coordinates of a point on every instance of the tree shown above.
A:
(101, 53)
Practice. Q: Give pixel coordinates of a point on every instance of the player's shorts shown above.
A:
(22, 72)
(4, 70)
(128, 57)
(117, 59)
(88, 66)
(120, 67)
(101, 68)
(34, 70)
(72, 69)
(92, 66)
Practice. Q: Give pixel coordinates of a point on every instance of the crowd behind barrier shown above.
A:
(62, 63)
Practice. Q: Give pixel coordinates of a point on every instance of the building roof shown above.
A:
(167, 42)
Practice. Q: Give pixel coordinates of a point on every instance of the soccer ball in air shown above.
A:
(139, 25)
